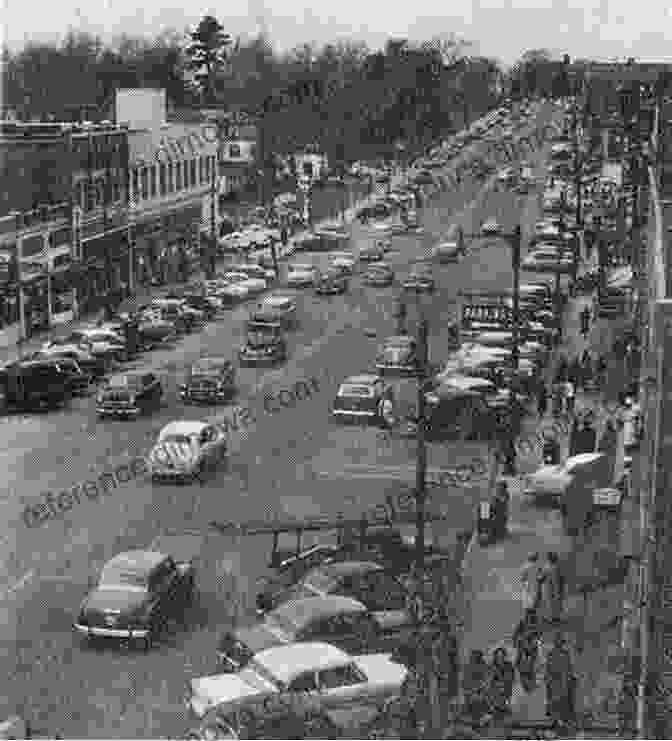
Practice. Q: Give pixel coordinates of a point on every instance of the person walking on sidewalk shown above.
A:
(526, 642)
(509, 456)
(574, 374)
(560, 684)
(569, 397)
(530, 577)
(552, 590)
(502, 676)
(585, 321)
(542, 399)
(587, 366)
(475, 686)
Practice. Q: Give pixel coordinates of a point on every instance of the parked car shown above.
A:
(210, 380)
(89, 363)
(399, 354)
(33, 384)
(344, 261)
(129, 394)
(300, 275)
(331, 281)
(350, 689)
(359, 398)
(341, 621)
(278, 307)
(371, 252)
(447, 252)
(455, 413)
(265, 342)
(137, 593)
(185, 450)
(101, 342)
(420, 279)
(180, 313)
(156, 332)
(378, 275)
(202, 303)
(79, 380)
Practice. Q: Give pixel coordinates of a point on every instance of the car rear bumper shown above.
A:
(117, 412)
(96, 631)
(347, 415)
(205, 397)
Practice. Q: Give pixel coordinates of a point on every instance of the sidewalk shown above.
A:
(592, 626)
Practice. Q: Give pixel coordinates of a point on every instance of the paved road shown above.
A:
(274, 471)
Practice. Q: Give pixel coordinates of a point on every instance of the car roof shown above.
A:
(364, 378)
(286, 662)
(211, 362)
(184, 427)
(130, 374)
(303, 611)
(138, 559)
(338, 569)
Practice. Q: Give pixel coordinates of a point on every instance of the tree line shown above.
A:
(342, 98)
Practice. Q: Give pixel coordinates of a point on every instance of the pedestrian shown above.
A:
(386, 412)
(587, 365)
(557, 400)
(502, 676)
(560, 684)
(561, 373)
(575, 372)
(500, 508)
(530, 576)
(509, 454)
(475, 686)
(552, 589)
(526, 642)
(574, 438)
(570, 396)
(588, 437)
(542, 399)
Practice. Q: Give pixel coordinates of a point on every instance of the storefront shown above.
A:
(105, 263)
(9, 307)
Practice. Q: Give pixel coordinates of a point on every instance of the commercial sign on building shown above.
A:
(488, 313)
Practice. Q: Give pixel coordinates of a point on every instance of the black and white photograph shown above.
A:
(253, 257)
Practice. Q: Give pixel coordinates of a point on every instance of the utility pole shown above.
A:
(515, 243)
(421, 462)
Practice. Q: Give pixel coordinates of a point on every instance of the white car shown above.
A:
(184, 450)
(242, 279)
(254, 270)
(301, 274)
(344, 261)
(349, 688)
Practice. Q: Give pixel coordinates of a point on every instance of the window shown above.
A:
(306, 682)
(178, 176)
(192, 167)
(162, 179)
(152, 182)
(340, 676)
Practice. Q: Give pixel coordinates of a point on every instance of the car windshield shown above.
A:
(117, 576)
(179, 439)
(260, 338)
(350, 389)
(123, 382)
(256, 671)
(322, 579)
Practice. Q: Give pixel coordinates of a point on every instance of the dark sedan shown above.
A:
(341, 621)
(210, 380)
(137, 593)
(330, 282)
(129, 394)
(378, 275)
(366, 581)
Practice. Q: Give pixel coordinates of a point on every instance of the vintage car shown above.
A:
(420, 279)
(210, 380)
(367, 581)
(255, 270)
(359, 398)
(79, 380)
(549, 482)
(373, 252)
(33, 384)
(129, 394)
(177, 310)
(202, 303)
(378, 275)
(398, 355)
(253, 284)
(264, 343)
(89, 363)
(330, 282)
(344, 261)
(342, 621)
(101, 342)
(278, 307)
(308, 242)
(447, 252)
(185, 450)
(317, 676)
(155, 332)
(495, 398)
(300, 275)
(137, 593)
(458, 414)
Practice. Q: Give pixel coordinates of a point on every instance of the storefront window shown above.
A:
(162, 179)
(192, 167)
(152, 180)
(178, 176)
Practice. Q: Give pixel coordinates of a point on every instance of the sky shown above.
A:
(504, 29)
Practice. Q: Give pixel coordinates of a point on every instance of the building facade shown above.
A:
(173, 176)
(64, 199)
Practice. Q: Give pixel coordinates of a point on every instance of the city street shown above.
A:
(287, 464)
